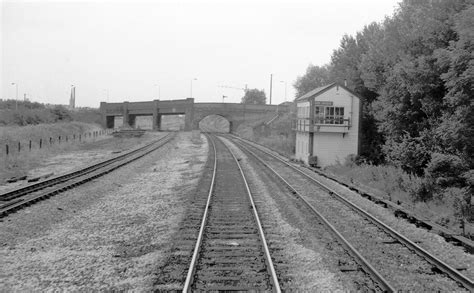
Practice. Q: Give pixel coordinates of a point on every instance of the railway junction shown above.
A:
(199, 211)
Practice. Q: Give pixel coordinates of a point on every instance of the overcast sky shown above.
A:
(138, 50)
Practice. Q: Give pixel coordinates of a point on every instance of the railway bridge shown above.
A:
(194, 112)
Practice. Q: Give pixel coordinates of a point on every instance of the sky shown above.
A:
(116, 51)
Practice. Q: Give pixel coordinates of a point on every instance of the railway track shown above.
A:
(16, 199)
(231, 252)
(400, 263)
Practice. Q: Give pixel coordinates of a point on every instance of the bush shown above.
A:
(460, 199)
(445, 170)
(410, 154)
(353, 160)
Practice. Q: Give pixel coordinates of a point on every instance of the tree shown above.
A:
(314, 77)
(254, 96)
(345, 63)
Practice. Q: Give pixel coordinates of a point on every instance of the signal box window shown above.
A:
(328, 115)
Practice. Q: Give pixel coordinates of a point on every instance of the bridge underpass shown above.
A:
(215, 123)
(193, 113)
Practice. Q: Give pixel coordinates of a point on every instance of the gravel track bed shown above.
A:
(305, 254)
(232, 254)
(110, 234)
(455, 256)
(171, 273)
(401, 267)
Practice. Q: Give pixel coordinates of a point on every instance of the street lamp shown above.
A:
(159, 94)
(16, 100)
(284, 81)
(192, 86)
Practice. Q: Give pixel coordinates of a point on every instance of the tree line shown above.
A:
(415, 74)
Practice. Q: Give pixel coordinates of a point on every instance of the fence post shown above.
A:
(79, 137)
(6, 149)
(19, 146)
(59, 139)
(41, 142)
(66, 138)
(74, 137)
(30, 146)
(50, 140)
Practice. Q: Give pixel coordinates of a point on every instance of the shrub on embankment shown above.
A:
(447, 206)
(27, 113)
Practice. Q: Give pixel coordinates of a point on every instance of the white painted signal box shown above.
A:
(327, 125)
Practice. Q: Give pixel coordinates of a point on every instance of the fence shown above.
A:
(16, 148)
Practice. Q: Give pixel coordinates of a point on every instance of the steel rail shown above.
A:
(197, 247)
(450, 271)
(70, 175)
(260, 229)
(20, 201)
(361, 260)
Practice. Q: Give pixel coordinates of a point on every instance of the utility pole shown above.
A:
(271, 80)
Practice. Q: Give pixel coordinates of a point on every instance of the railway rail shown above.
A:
(385, 250)
(231, 252)
(16, 199)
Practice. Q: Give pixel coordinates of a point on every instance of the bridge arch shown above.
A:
(215, 123)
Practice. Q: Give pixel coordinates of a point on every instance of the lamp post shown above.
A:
(159, 93)
(284, 81)
(192, 86)
(16, 99)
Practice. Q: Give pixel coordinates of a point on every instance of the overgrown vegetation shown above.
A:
(415, 74)
(23, 113)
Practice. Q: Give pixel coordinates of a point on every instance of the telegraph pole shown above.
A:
(271, 80)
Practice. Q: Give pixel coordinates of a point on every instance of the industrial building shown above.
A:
(327, 125)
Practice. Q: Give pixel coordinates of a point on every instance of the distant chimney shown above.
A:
(72, 99)
(345, 82)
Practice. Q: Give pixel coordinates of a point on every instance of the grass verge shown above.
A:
(17, 163)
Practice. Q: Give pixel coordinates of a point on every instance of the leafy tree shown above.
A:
(345, 63)
(415, 72)
(314, 77)
(454, 134)
(254, 96)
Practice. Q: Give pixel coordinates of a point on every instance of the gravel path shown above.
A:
(110, 234)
